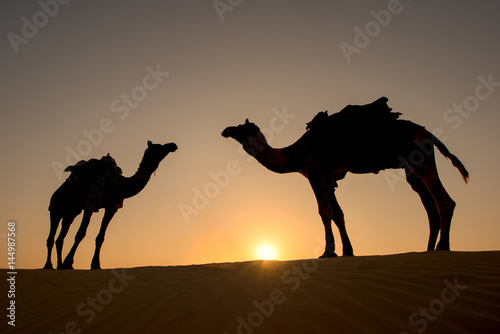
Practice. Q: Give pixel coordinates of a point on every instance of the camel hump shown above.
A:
(377, 112)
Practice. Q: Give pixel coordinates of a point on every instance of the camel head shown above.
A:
(318, 120)
(155, 153)
(241, 132)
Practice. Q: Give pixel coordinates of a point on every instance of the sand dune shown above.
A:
(436, 292)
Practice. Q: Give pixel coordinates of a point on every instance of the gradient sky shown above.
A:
(257, 60)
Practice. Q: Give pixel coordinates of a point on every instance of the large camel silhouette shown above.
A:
(72, 197)
(359, 139)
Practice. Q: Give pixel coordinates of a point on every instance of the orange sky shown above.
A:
(93, 78)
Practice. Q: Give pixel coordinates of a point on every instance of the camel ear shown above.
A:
(149, 143)
(246, 121)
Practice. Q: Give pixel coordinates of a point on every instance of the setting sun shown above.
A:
(266, 252)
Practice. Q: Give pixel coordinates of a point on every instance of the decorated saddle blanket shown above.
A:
(96, 179)
(375, 113)
(361, 138)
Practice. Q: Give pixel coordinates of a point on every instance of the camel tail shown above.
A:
(454, 160)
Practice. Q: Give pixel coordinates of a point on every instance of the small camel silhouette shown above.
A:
(359, 139)
(71, 198)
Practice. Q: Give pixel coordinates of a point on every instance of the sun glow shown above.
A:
(266, 252)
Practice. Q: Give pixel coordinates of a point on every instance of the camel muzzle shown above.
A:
(174, 147)
(225, 133)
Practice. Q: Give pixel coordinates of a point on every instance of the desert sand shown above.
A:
(434, 292)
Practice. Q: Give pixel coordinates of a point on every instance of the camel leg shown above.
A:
(54, 223)
(68, 261)
(108, 215)
(318, 184)
(430, 206)
(338, 219)
(66, 223)
(427, 172)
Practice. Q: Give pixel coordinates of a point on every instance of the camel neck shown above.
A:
(134, 184)
(279, 160)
